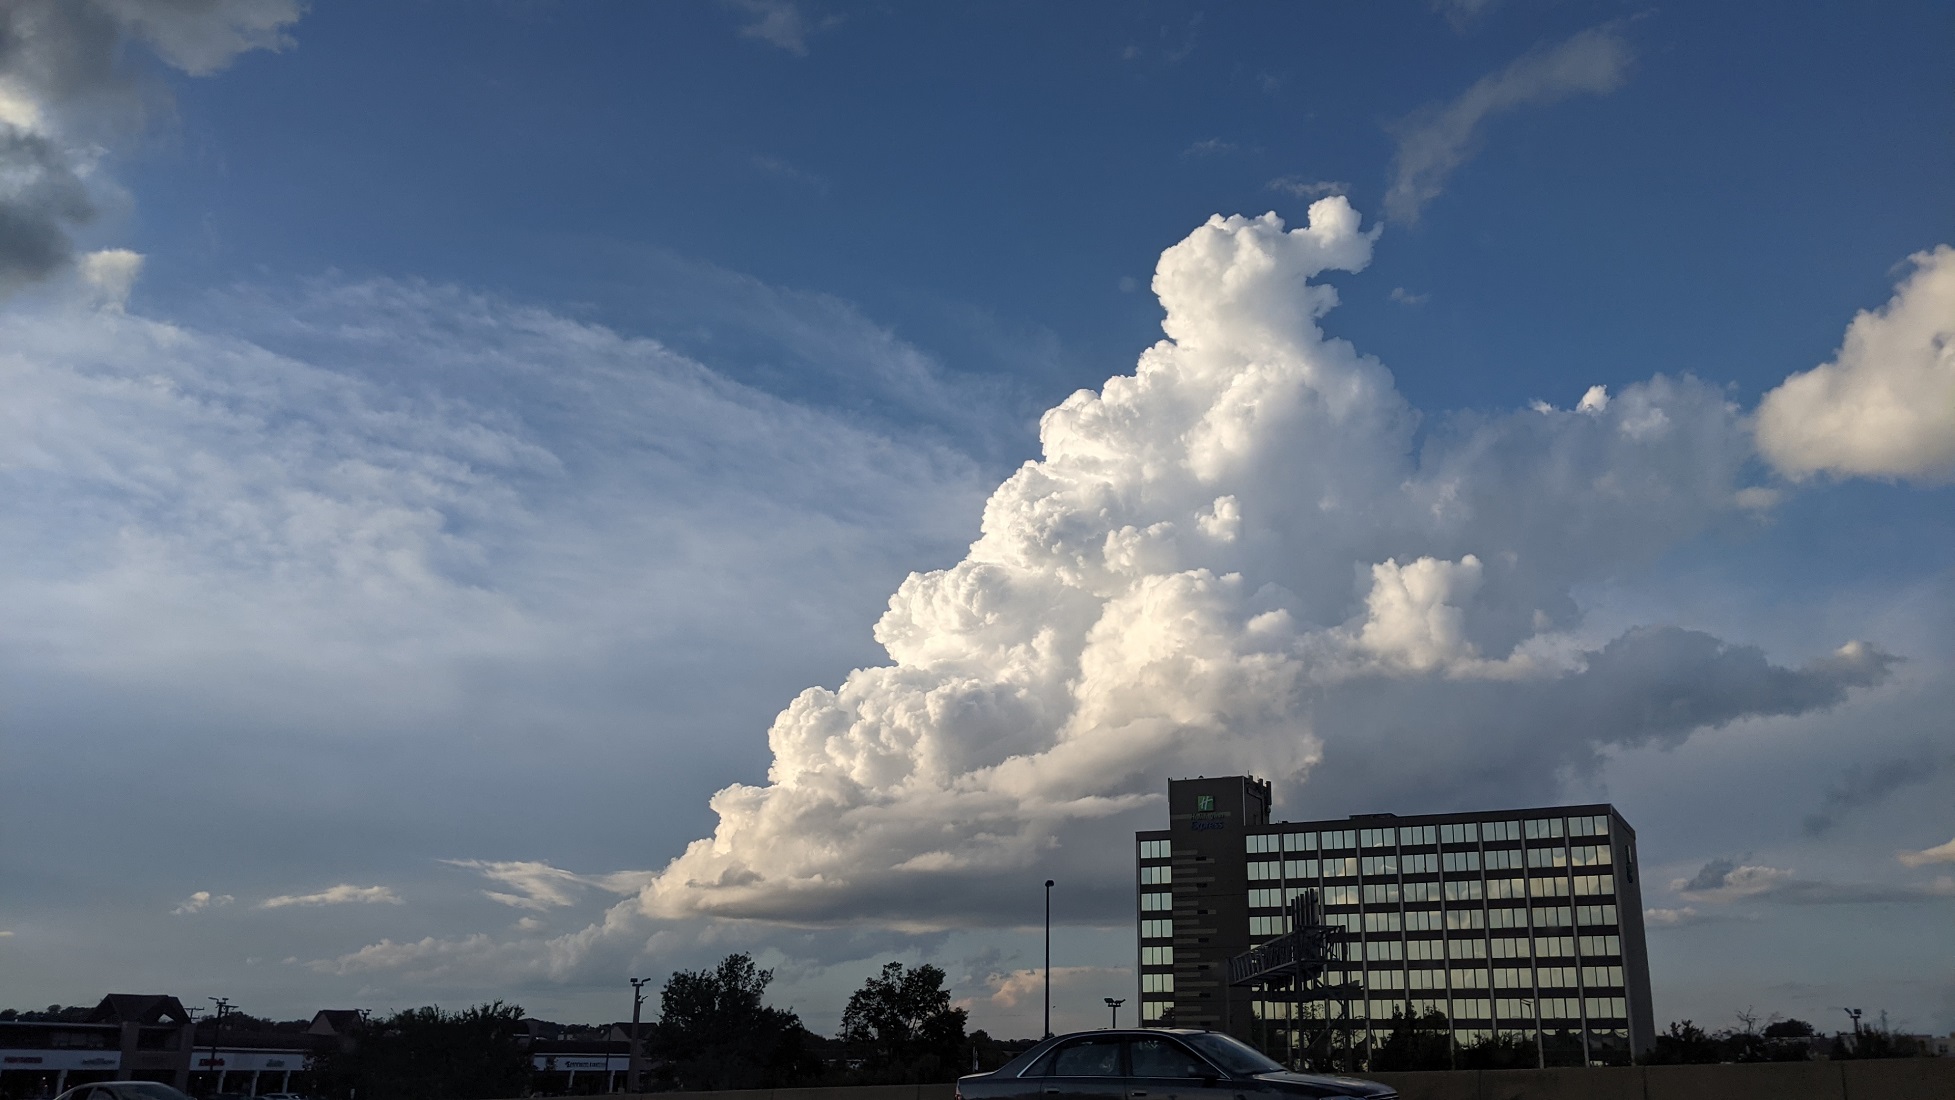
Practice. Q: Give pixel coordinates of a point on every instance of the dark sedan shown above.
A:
(122, 1090)
(1155, 1064)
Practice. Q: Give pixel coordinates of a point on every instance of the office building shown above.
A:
(1526, 923)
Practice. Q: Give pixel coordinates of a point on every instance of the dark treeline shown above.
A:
(1424, 1042)
(714, 1031)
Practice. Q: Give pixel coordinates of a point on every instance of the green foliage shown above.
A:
(1872, 1042)
(1788, 1029)
(902, 1027)
(1684, 1044)
(716, 1032)
(429, 1054)
(1422, 1041)
(1502, 1050)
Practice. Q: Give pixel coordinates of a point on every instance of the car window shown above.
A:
(1232, 1054)
(146, 1090)
(1087, 1058)
(1164, 1058)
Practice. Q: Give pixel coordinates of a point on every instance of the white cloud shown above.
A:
(1010, 989)
(1885, 405)
(343, 894)
(1940, 853)
(112, 273)
(1209, 147)
(1672, 918)
(1437, 139)
(1405, 297)
(1722, 882)
(200, 901)
(65, 91)
(1402, 620)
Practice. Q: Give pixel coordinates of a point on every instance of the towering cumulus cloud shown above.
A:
(1236, 559)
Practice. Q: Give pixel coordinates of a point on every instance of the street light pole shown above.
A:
(1048, 958)
(217, 1030)
(1114, 1003)
(634, 1070)
(1540, 1051)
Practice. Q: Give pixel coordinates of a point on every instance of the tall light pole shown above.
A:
(1048, 958)
(1114, 1003)
(634, 1067)
(1540, 1051)
(216, 1030)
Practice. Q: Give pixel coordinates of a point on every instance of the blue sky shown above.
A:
(514, 407)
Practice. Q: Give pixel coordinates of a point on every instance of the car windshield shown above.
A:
(147, 1090)
(1231, 1054)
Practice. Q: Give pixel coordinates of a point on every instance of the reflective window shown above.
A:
(1300, 842)
(1155, 849)
(1150, 903)
(1156, 929)
(1380, 865)
(1157, 956)
(1156, 876)
(1164, 1058)
(1086, 1058)
(1500, 830)
(1503, 859)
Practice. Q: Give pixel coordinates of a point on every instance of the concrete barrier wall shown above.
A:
(1895, 1079)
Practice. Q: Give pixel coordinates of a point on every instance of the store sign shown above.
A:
(60, 1059)
(1201, 822)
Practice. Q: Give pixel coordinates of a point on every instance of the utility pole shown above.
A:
(634, 1072)
(216, 1031)
(1048, 958)
(1114, 1003)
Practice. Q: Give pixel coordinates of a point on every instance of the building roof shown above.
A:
(139, 1008)
(334, 1021)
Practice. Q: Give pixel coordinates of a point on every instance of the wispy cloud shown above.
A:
(200, 901)
(1209, 147)
(540, 887)
(343, 894)
(788, 173)
(1405, 297)
(1437, 139)
(1303, 187)
(781, 23)
(1940, 853)
(1723, 881)
(1862, 786)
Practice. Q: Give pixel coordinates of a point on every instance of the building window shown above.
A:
(1155, 1010)
(1344, 839)
(1542, 828)
(1385, 893)
(1425, 949)
(1503, 859)
(1595, 914)
(1500, 830)
(1596, 977)
(1156, 876)
(1300, 868)
(1468, 890)
(1553, 917)
(1591, 885)
(1418, 834)
(1601, 945)
(1555, 977)
(1260, 843)
(1555, 887)
(1510, 948)
(1611, 1008)
(1556, 856)
(1266, 899)
(1462, 861)
(1156, 902)
(1466, 918)
(1513, 979)
(1477, 1009)
(1421, 863)
(1340, 895)
(1426, 979)
(1506, 918)
(1384, 979)
(1157, 929)
(1506, 888)
(1421, 891)
(1422, 920)
(1341, 867)
(1384, 950)
(1155, 849)
(1589, 855)
(1588, 826)
(1381, 922)
(1157, 956)
(1300, 842)
(1157, 983)
(1468, 833)
(1467, 949)
(1266, 868)
(1380, 865)
(1464, 978)
(1554, 947)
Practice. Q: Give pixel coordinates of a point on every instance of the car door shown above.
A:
(1158, 1068)
(1087, 1068)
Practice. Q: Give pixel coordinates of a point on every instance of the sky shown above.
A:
(497, 499)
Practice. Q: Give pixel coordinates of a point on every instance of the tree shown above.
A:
(1500, 1050)
(715, 1031)
(429, 1054)
(902, 1025)
(1788, 1029)
(1684, 1044)
(1417, 1041)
